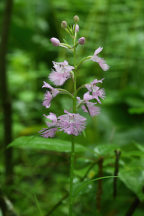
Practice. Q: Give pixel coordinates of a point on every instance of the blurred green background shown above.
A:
(40, 178)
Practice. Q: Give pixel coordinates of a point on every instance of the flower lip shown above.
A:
(71, 123)
(49, 95)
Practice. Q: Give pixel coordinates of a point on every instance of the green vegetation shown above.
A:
(36, 178)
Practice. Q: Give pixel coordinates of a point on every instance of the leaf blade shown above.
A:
(40, 143)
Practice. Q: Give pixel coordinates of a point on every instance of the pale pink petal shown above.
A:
(97, 51)
(46, 85)
(87, 96)
(103, 64)
(47, 99)
(52, 117)
(91, 109)
(96, 81)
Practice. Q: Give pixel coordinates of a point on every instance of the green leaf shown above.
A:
(105, 149)
(78, 187)
(138, 110)
(132, 175)
(40, 143)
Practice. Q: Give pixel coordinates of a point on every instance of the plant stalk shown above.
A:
(73, 138)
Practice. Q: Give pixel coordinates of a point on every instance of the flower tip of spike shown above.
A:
(76, 18)
(55, 41)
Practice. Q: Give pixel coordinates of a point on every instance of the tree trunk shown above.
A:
(5, 96)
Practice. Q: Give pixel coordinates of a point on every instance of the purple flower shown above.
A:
(55, 41)
(89, 107)
(99, 60)
(61, 73)
(49, 95)
(71, 123)
(94, 92)
(81, 40)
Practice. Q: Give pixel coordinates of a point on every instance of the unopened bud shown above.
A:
(77, 28)
(55, 41)
(81, 40)
(64, 24)
(76, 18)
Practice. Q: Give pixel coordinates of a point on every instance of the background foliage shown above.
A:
(40, 176)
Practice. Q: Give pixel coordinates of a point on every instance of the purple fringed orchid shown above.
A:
(99, 60)
(61, 72)
(72, 123)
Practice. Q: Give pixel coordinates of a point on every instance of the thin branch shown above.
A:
(133, 207)
(99, 189)
(58, 204)
(116, 171)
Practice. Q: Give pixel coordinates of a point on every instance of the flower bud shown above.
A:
(77, 28)
(64, 24)
(55, 41)
(81, 40)
(76, 18)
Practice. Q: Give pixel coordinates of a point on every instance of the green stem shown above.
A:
(83, 60)
(71, 177)
(73, 141)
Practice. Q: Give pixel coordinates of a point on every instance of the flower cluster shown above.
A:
(72, 123)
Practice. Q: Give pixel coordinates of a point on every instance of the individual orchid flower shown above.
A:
(61, 73)
(95, 92)
(88, 106)
(52, 126)
(49, 95)
(99, 60)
